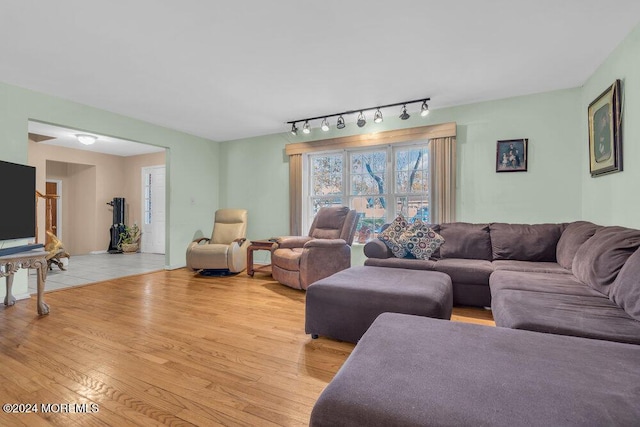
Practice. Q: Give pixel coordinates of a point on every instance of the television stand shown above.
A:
(36, 259)
(21, 248)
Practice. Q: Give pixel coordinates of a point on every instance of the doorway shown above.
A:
(53, 210)
(153, 209)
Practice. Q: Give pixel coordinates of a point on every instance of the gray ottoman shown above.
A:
(344, 305)
(416, 371)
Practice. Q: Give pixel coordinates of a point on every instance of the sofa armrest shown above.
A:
(292, 241)
(376, 248)
(237, 255)
(321, 258)
(324, 243)
(201, 239)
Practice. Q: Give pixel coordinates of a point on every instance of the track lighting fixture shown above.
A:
(361, 120)
(424, 110)
(377, 117)
(404, 115)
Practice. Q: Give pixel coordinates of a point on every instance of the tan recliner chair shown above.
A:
(298, 261)
(226, 250)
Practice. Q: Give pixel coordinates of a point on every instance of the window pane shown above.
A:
(318, 203)
(414, 207)
(326, 173)
(367, 172)
(412, 170)
(371, 216)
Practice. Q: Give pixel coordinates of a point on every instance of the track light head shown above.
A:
(294, 129)
(377, 117)
(404, 115)
(424, 110)
(340, 124)
(306, 128)
(361, 120)
(325, 125)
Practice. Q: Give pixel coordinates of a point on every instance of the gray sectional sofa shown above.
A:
(578, 279)
(579, 283)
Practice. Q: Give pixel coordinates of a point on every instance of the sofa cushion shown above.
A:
(468, 271)
(577, 315)
(417, 371)
(572, 238)
(558, 283)
(599, 260)
(420, 240)
(525, 242)
(539, 267)
(289, 259)
(328, 222)
(625, 290)
(464, 240)
(391, 236)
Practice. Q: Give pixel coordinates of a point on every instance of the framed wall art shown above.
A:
(511, 155)
(605, 132)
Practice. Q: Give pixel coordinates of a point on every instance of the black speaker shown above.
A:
(118, 210)
(118, 224)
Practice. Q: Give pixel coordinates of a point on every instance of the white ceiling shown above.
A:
(65, 137)
(235, 69)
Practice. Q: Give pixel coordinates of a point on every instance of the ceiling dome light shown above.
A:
(86, 139)
(294, 129)
(306, 128)
(361, 120)
(424, 110)
(404, 115)
(377, 117)
(340, 124)
(325, 125)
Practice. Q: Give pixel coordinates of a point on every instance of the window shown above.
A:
(147, 198)
(378, 182)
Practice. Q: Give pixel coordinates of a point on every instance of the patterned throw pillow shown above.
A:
(391, 235)
(420, 240)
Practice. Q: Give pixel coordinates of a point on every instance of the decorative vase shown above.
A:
(129, 248)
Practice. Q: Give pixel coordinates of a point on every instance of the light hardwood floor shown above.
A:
(168, 348)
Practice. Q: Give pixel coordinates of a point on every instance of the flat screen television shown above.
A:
(18, 208)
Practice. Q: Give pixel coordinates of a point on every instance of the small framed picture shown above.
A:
(511, 155)
(605, 132)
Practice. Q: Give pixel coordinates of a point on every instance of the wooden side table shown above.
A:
(9, 264)
(258, 245)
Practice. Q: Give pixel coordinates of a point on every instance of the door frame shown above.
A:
(144, 171)
(58, 183)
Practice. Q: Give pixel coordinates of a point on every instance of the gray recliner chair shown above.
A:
(298, 261)
(226, 250)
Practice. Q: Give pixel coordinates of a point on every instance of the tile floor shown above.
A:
(83, 269)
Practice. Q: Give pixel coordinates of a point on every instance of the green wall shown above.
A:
(615, 199)
(548, 192)
(192, 162)
(557, 186)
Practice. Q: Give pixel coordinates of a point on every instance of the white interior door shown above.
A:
(153, 209)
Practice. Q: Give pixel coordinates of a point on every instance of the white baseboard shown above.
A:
(174, 266)
(22, 296)
(97, 252)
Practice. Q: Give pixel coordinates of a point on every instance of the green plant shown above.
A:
(130, 235)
